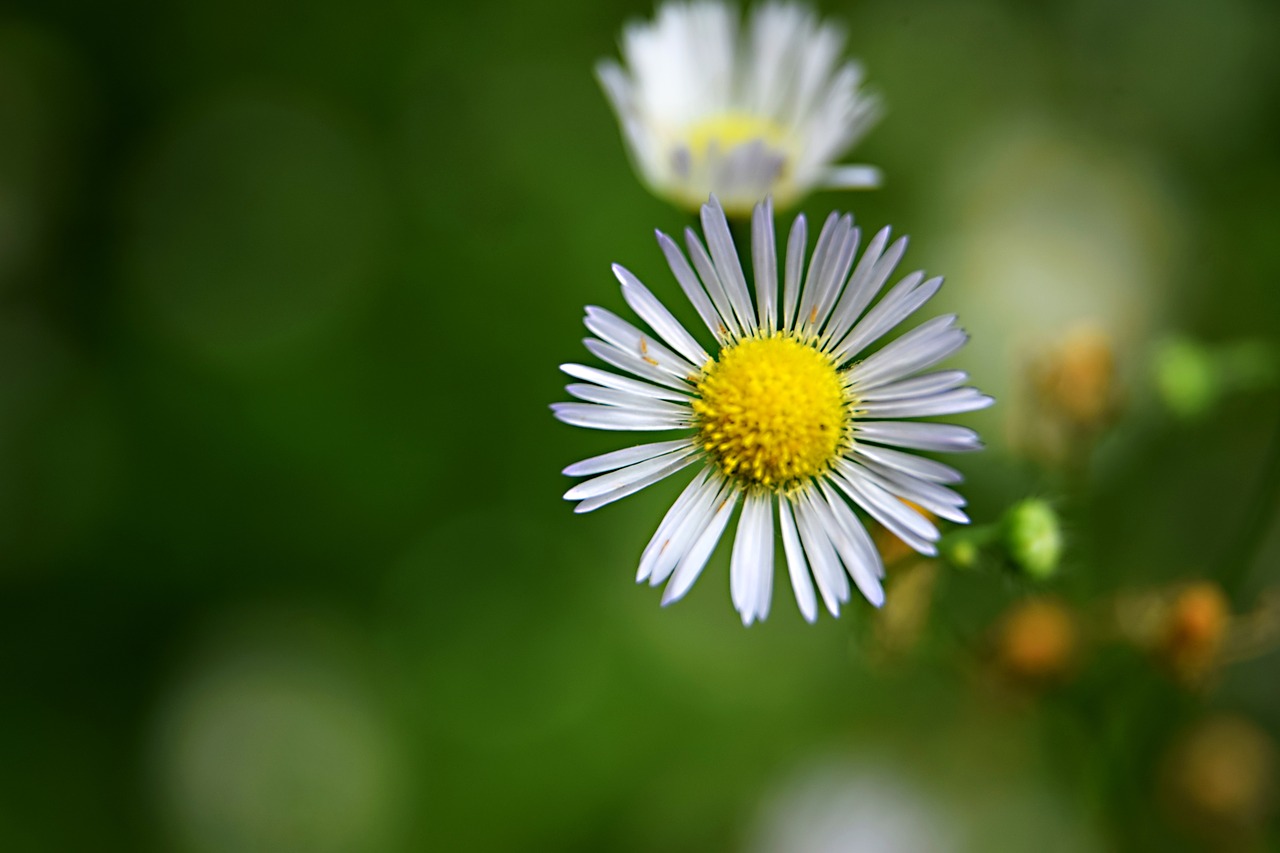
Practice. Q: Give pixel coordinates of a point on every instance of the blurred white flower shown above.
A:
(788, 413)
(856, 808)
(708, 107)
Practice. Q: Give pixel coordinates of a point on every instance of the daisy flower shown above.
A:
(708, 108)
(791, 419)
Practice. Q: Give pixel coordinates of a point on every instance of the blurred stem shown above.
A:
(1235, 568)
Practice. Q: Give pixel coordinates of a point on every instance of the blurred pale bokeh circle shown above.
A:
(1048, 232)
(255, 227)
(270, 739)
(866, 807)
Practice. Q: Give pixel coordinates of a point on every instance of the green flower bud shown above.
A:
(1033, 538)
(1186, 377)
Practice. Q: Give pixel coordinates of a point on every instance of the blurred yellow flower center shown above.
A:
(772, 411)
(729, 130)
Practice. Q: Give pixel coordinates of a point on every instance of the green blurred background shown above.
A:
(283, 560)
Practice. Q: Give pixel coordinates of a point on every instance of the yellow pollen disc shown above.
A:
(771, 411)
(729, 130)
(722, 134)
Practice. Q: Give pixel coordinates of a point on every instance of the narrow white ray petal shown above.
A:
(659, 318)
(605, 483)
(898, 518)
(917, 386)
(939, 500)
(797, 246)
(857, 293)
(902, 301)
(606, 379)
(833, 583)
(634, 365)
(857, 552)
(797, 567)
(621, 458)
(700, 488)
(944, 438)
(764, 578)
(677, 463)
(725, 255)
(755, 565)
(947, 403)
(764, 255)
(918, 349)
(711, 281)
(683, 537)
(748, 559)
(593, 416)
(626, 337)
(852, 177)
(909, 463)
(839, 260)
(624, 399)
(692, 563)
(692, 287)
(817, 265)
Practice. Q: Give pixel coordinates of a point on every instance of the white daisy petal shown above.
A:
(901, 520)
(833, 583)
(751, 565)
(852, 527)
(623, 399)
(634, 365)
(700, 490)
(612, 329)
(858, 292)
(751, 408)
(711, 281)
(764, 256)
(797, 244)
(692, 563)
(945, 438)
(692, 287)
(852, 178)
(849, 537)
(813, 283)
(659, 318)
(947, 403)
(905, 299)
(728, 267)
(918, 349)
(909, 463)
(605, 483)
(939, 500)
(650, 476)
(797, 566)
(836, 274)
(917, 386)
(622, 458)
(607, 417)
(622, 383)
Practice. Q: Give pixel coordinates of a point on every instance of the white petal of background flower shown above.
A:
(708, 105)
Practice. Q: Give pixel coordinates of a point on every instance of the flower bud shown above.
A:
(1186, 378)
(1033, 538)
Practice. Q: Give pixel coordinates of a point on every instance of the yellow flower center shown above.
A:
(729, 130)
(772, 411)
(711, 140)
